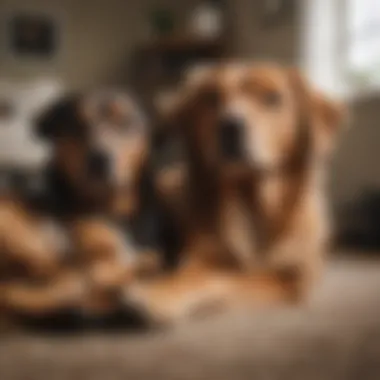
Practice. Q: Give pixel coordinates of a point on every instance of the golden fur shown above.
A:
(255, 229)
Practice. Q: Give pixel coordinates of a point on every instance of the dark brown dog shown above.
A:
(252, 202)
(77, 243)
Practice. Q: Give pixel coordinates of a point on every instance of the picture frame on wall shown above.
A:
(32, 35)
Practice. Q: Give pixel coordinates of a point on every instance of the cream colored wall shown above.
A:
(251, 38)
(97, 39)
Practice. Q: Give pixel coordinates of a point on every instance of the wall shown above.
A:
(356, 168)
(98, 37)
(255, 38)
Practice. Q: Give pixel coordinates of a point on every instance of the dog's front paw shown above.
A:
(158, 313)
(148, 264)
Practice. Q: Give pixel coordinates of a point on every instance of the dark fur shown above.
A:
(149, 226)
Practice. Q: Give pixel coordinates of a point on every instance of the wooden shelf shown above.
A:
(160, 64)
(181, 44)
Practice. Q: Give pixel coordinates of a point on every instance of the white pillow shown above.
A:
(18, 146)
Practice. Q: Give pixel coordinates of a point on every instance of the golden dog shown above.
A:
(251, 196)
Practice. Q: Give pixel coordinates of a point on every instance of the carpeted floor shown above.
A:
(336, 337)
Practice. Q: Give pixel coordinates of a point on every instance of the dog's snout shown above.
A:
(230, 136)
(98, 164)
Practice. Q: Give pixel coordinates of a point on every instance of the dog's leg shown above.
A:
(195, 290)
(109, 262)
(24, 241)
(107, 256)
(65, 291)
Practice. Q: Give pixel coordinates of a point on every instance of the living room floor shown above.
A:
(337, 337)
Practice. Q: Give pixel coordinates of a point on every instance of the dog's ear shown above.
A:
(330, 113)
(176, 106)
(58, 119)
(325, 116)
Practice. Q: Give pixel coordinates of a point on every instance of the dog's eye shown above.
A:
(268, 97)
(272, 99)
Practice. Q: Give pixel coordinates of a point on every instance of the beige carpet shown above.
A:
(336, 337)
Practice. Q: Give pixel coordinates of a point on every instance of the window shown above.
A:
(341, 45)
(363, 35)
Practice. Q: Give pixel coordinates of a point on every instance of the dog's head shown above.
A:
(99, 141)
(254, 116)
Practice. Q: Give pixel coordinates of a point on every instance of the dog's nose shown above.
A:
(98, 164)
(230, 137)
